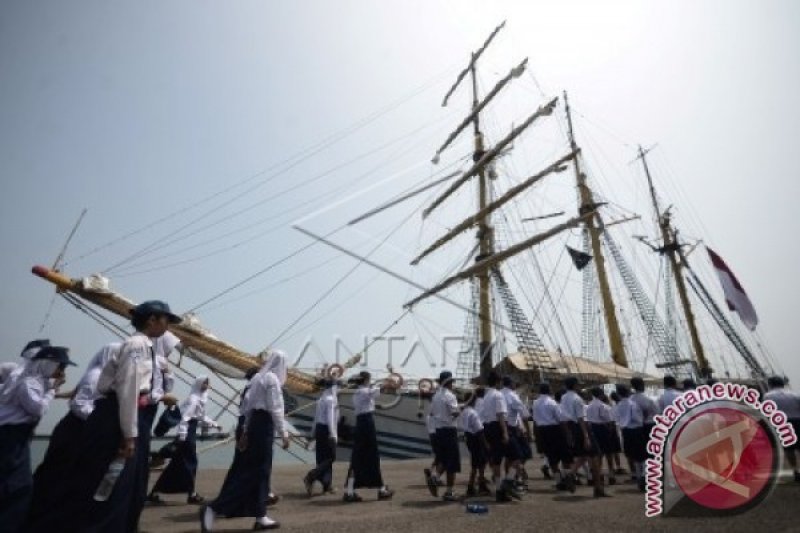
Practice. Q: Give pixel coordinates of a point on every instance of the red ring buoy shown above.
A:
(335, 371)
(425, 385)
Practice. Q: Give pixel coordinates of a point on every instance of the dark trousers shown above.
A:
(325, 456)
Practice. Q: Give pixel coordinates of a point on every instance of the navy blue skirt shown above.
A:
(477, 450)
(246, 487)
(448, 452)
(16, 481)
(61, 454)
(601, 438)
(325, 454)
(365, 464)
(635, 443)
(578, 448)
(181, 472)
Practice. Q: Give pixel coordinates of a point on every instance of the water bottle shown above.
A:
(109, 480)
(477, 508)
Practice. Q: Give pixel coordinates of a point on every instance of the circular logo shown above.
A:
(725, 458)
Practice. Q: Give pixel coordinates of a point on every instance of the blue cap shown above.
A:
(59, 354)
(445, 376)
(155, 307)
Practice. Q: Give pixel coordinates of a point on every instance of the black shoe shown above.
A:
(483, 489)
(570, 482)
(471, 491)
(352, 498)
(501, 496)
(328, 490)
(433, 488)
(546, 472)
(385, 494)
(272, 499)
(154, 499)
(449, 496)
(561, 485)
(797, 477)
(309, 485)
(512, 491)
(195, 499)
(642, 484)
(600, 493)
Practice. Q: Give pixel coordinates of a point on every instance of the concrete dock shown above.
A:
(413, 508)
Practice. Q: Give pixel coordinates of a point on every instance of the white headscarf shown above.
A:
(41, 369)
(275, 363)
(197, 397)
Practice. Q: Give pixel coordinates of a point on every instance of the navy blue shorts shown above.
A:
(448, 452)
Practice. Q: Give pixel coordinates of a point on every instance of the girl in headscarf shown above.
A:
(24, 399)
(180, 474)
(326, 437)
(247, 485)
(64, 445)
(365, 464)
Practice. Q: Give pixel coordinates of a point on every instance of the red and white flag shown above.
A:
(735, 296)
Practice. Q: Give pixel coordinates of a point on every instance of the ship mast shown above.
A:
(671, 248)
(593, 226)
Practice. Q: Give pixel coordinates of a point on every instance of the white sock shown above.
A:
(265, 521)
(350, 483)
(208, 518)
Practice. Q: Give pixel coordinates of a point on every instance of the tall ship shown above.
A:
(547, 271)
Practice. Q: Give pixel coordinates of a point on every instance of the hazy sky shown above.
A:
(234, 120)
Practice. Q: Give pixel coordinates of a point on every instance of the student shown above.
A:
(634, 442)
(494, 414)
(601, 424)
(670, 393)
(179, 475)
(24, 399)
(112, 430)
(518, 430)
(616, 441)
(789, 403)
(365, 463)
(444, 410)
(246, 487)
(646, 404)
(64, 445)
(471, 425)
(579, 437)
(550, 432)
(326, 437)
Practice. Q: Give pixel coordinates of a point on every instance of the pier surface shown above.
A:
(413, 509)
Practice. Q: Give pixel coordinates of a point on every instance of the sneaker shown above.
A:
(265, 523)
(309, 485)
(195, 499)
(546, 472)
(449, 496)
(352, 498)
(385, 494)
(433, 488)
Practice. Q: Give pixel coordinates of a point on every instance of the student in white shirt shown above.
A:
(180, 474)
(495, 414)
(788, 402)
(244, 492)
(478, 447)
(601, 427)
(326, 437)
(670, 393)
(634, 441)
(444, 411)
(551, 436)
(23, 401)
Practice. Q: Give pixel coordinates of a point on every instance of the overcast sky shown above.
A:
(232, 121)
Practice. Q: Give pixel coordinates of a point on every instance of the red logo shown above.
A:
(724, 458)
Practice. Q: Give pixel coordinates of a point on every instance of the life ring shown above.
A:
(335, 371)
(393, 381)
(425, 385)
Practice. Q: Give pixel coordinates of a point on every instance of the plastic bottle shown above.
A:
(109, 480)
(477, 508)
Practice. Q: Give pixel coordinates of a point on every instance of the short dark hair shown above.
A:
(623, 391)
(480, 392)
(544, 388)
(597, 392)
(775, 382)
(637, 383)
(670, 382)
(689, 384)
(492, 379)
(571, 382)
